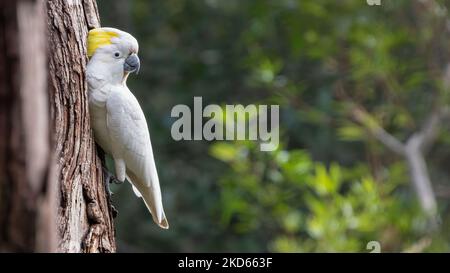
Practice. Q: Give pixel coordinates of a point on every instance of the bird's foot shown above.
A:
(110, 178)
(117, 181)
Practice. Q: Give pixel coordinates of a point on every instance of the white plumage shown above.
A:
(117, 119)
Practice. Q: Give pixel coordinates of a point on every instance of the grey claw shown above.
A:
(109, 177)
(116, 181)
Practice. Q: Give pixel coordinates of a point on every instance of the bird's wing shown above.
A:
(130, 141)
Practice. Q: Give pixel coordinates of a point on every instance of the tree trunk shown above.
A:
(85, 219)
(27, 188)
(31, 218)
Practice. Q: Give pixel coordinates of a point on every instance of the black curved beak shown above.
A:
(132, 64)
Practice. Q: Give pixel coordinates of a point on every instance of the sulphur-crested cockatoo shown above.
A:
(117, 119)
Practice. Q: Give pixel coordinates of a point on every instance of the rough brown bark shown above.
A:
(27, 190)
(85, 218)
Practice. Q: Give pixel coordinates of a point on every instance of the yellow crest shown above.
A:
(97, 38)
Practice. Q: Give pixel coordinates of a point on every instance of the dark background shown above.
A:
(340, 71)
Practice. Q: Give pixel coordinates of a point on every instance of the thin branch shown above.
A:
(431, 128)
(364, 118)
(420, 176)
(429, 132)
(413, 153)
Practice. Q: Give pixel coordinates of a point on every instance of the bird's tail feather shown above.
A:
(161, 221)
(152, 200)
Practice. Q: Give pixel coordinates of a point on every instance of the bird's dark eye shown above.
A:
(117, 54)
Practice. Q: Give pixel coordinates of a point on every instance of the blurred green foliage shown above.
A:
(298, 205)
(330, 186)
